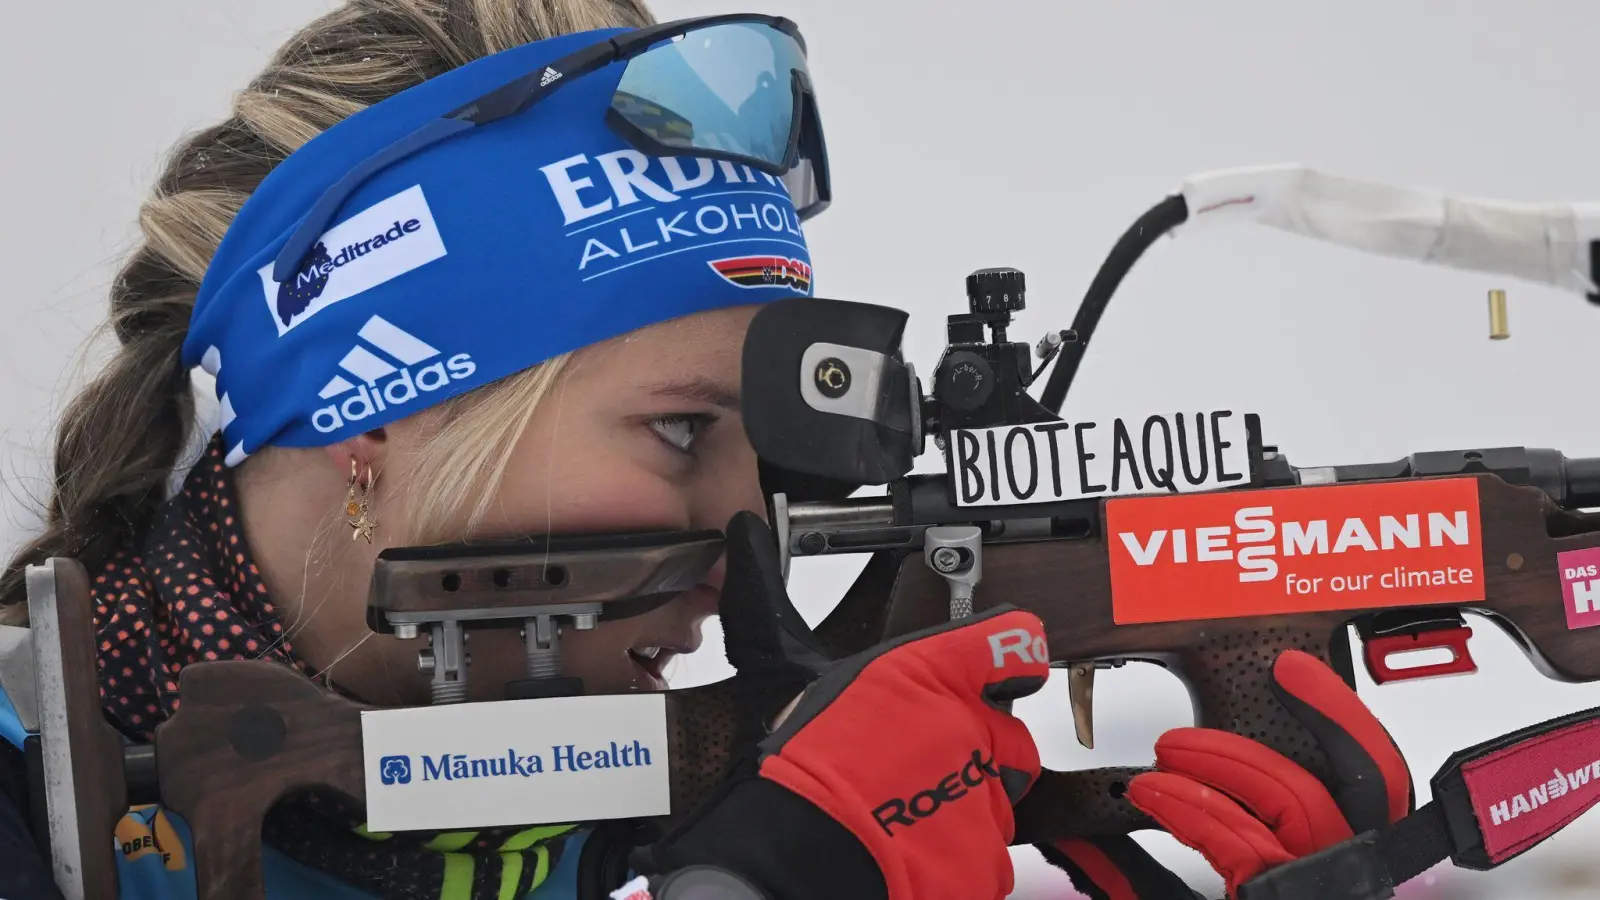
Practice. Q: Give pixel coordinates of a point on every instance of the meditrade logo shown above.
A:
(1264, 552)
(382, 242)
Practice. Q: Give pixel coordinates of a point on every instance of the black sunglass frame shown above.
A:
(517, 96)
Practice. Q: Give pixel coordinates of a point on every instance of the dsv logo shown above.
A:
(925, 803)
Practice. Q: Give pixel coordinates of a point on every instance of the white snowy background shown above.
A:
(1026, 133)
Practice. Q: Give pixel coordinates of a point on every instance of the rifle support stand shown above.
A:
(248, 733)
(84, 787)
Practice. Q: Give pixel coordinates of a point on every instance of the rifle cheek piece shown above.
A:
(534, 585)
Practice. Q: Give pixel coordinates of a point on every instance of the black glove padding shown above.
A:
(767, 642)
(1116, 868)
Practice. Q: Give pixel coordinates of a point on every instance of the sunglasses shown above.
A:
(731, 87)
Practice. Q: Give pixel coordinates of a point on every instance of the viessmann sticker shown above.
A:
(1307, 549)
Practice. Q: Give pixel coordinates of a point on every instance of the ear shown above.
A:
(365, 452)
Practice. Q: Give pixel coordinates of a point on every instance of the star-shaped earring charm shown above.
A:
(363, 527)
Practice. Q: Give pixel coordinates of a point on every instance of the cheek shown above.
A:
(589, 490)
(732, 484)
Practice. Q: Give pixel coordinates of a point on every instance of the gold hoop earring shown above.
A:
(356, 511)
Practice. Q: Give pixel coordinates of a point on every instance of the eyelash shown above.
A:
(699, 422)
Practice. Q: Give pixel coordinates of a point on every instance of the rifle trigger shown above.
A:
(1453, 638)
(1080, 692)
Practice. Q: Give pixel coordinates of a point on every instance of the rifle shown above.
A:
(830, 398)
(1207, 558)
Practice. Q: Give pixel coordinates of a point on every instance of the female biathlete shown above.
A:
(482, 268)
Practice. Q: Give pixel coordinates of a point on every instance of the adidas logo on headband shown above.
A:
(387, 368)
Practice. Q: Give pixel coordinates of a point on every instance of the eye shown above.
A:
(680, 430)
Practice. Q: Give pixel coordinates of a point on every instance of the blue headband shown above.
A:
(475, 259)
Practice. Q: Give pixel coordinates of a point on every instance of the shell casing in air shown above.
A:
(1499, 326)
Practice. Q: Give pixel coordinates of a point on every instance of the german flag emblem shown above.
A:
(765, 271)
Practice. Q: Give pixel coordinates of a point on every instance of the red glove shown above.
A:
(895, 774)
(1247, 808)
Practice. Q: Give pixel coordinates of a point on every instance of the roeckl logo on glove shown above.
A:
(1019, 642)
(925, 803)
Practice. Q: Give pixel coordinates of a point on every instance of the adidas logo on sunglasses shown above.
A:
(387, 367)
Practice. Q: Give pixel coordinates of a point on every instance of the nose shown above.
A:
(737, 489)
(701, 603)
(718, 573)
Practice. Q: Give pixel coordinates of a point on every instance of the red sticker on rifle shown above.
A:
(1529, 791)
(1223, 554)
(1580, 586)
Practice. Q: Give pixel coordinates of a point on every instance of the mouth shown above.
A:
(661, 641)
(649, 662)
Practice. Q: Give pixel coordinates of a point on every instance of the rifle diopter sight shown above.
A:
(857, 413)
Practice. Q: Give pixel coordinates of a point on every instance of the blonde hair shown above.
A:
(121, 435)
(467, 456)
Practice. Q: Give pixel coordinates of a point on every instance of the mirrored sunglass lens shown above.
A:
(801, 183)
(725, 88)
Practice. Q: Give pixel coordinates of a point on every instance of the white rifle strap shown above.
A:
(1545, 243)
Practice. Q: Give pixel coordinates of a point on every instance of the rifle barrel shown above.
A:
(865, 524)
(1583, 482)
(853, 513)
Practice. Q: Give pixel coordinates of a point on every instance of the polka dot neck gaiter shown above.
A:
(189, 592)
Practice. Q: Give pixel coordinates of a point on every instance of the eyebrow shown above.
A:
(700, 390)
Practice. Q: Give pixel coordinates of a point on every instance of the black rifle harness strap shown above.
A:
(1491, 803)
